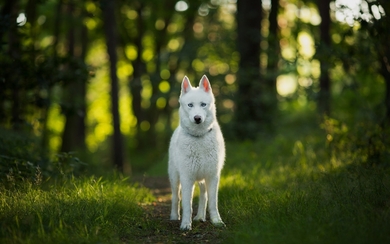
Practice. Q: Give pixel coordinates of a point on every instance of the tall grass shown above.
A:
(296, 188)
(79, 210)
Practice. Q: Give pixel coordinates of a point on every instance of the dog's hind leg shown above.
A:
(175, 187)
(201, 215)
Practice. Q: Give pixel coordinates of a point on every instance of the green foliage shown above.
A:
(19, 145)
(23, 160)
(19, 155)
(365, 143)
(84, 210)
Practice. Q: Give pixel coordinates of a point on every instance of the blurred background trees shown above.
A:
(96, 77)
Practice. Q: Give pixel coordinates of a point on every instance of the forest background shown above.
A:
(89, 99)
(98, 81)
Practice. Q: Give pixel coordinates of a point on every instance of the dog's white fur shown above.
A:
(196, 153)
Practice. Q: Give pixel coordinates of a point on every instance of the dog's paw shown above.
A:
(218, 223)
(185, 226)
(200, 218)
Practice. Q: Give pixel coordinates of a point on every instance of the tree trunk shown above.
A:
(273, 54)
(73, 138)
(382, 34)
(325, 44)
(385, 71)
(136, 84)
(17, 81)
(154, 113)
(249, 115)
(108, 9)
(31, 14)
(7, 8)
(68, 103)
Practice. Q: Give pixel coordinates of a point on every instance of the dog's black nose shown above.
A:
(198, 119)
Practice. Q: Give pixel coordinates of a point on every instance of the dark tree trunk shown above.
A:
(81, 127)
(108, 9)
(273, 40)
(165, 113)
(73, 138)
(153, 112)
(68, 106)
(325, 45)
(249, 115)
(31, 14)
(7, 9)
(273, 53)
(385, 71)
(136, 84)
(16, 79)
(31, 10)
(173, 66)
(383, 37)
(56, 28)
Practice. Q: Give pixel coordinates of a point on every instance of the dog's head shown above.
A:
(197, 104)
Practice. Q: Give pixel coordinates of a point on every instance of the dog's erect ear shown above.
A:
(185, 85)
(205, 84)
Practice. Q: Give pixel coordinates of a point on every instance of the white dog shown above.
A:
(196, 153)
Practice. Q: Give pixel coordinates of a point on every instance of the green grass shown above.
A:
(301, 185)
(78, 210)
(289, 189)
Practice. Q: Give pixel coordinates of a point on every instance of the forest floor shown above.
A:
(168, 231)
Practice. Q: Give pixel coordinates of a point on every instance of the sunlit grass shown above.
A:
(87, 210)
(291, 188)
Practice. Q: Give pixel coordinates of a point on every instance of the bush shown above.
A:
(22, 160)
(365, 143)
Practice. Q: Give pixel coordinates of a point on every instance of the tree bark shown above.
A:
(249, 115)
(383, 36)
(385, 71)
(273, 53)
(136, 84)
(73, 138)
(15, 54)
(108, 9)
(325, 44)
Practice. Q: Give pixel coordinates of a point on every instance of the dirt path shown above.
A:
(168, 231)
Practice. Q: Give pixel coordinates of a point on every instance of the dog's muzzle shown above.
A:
(197, 119)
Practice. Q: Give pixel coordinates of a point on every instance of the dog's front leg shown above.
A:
(201, 215)
(187, 189)
(175, 187)
(212, 192)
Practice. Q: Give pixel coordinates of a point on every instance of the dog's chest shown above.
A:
(201, 154)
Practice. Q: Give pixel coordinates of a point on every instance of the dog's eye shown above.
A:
(203, 105)
(190, 105)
